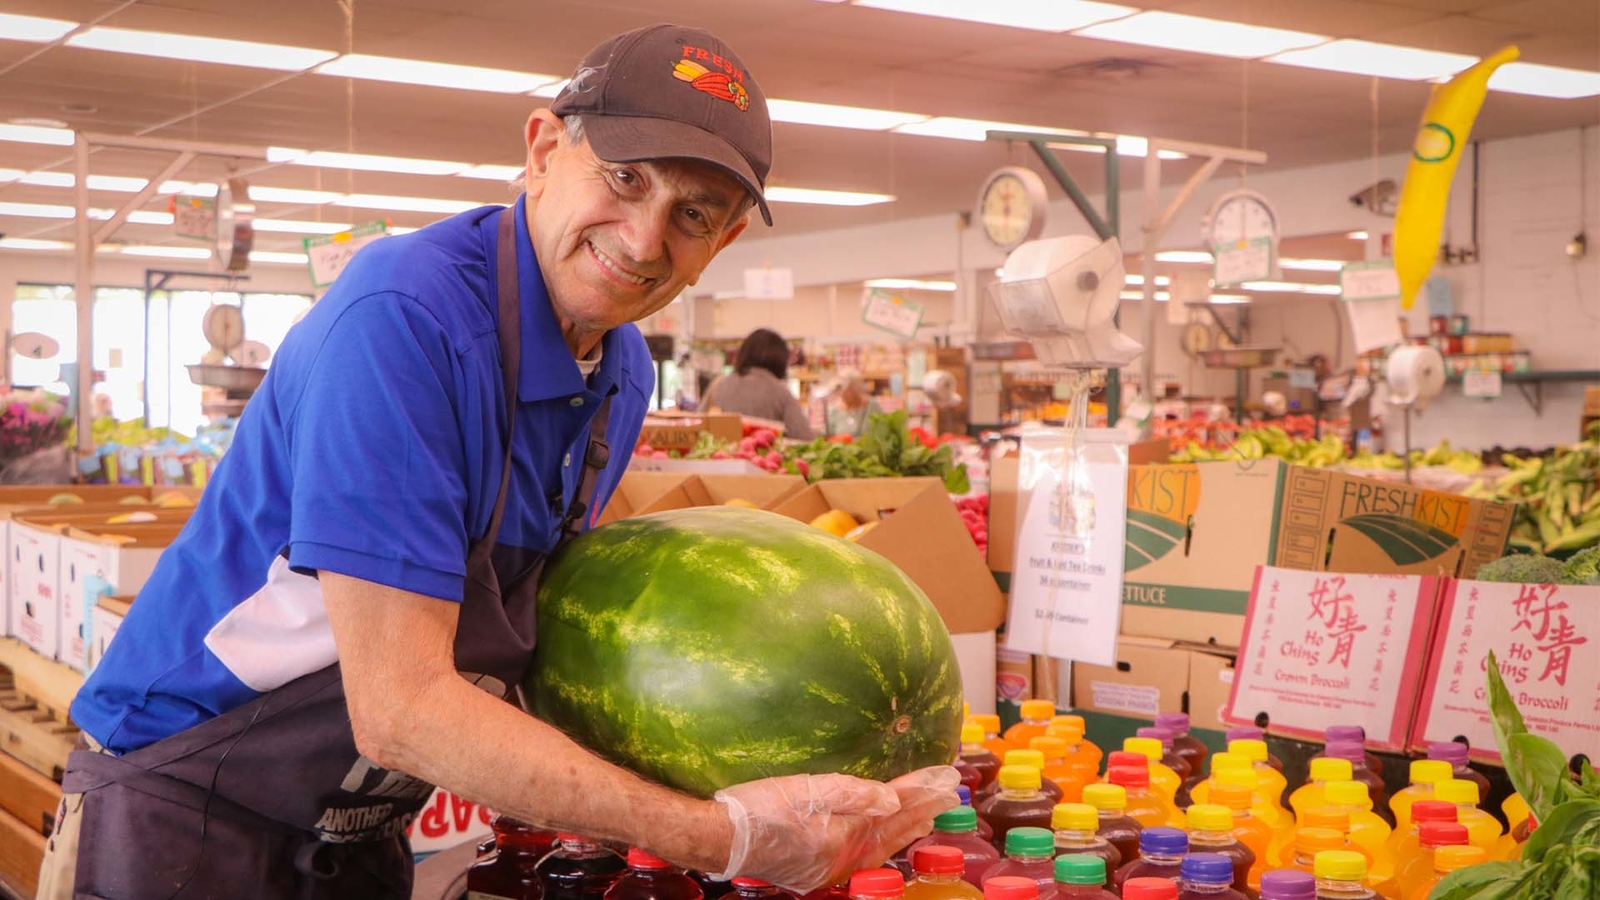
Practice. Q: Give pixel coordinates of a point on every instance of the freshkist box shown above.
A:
(122, 556)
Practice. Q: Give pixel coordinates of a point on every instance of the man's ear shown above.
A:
(543, 137)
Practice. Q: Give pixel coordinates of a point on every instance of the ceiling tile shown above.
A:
(1335, 18)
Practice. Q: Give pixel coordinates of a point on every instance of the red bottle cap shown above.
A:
(1126, 758)
(750, 883)
(1433, 811)
(877, 884)
(1128, 776)
(1010, 887)
(1441, 834)
(1149, 889)
(640, 859)
(937, 859)
(566, 838)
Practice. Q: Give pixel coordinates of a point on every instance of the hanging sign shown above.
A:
(328, 254)
(1373, 280)
(892, 313)
(1484, 383)
(1241, 261)
(194, 218)
(1324, 647)
(1371, 292)
(769, 284)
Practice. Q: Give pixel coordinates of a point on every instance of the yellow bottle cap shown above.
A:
(966, 710)
(1210, 817)
(1326, 769)
(1449, 859)
(1252, 750)
(1430, 771)
(1025, 758)
(1326, 817)
(1221, 762)
(1038, 710)
(1308, 841)
(1106, 797)
(1074, 817)
(1241, 778)
(1235, 797)
(1019, 778)
(972, 733)
(1341, 865)
(1149, 748)
(1347, 793)
(1051, 747)
(1456, 790)
(1072, 734)
(1069, 720)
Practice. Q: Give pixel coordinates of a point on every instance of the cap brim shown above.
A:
(641, 138)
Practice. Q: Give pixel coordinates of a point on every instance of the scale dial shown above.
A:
(236, 233)
(1011, 206)
(224, 327)
(1196, 338)
(1239, 217)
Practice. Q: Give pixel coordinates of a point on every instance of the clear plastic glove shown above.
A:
(805, 831)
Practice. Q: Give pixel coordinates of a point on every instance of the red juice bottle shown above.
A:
(713, 889)
(507, 873)
(958, 828)
(1116, 826)
(1150, 889)
(877, 884)
(1353, 733)
(1207, 876)
(1077, 828)
(649, 877)
(1019, 804)
(578, 869)
(1455, 753)
(1361, 771)
(985, 831)
(1030, 853)
(1011, 887)
(976, 755)
(1211, 833)
(1288, 884)
(756, 889)
(1035, 759)
(1144, 804)
(1186, 745)
(1080, 877)
(1161, 852)
(1169, 750)
(939, 870)
(831, 892)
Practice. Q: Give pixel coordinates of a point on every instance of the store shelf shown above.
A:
(1531, 384)
(50, 683)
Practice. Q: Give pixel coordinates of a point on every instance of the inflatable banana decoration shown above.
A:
(1446, 123)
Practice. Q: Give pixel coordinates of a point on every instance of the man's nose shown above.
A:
(644, 234)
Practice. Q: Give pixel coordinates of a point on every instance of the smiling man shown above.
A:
(344, 620)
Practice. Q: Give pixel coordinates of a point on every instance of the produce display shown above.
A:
(1257, 443)
(1558, 497)
(799, 652)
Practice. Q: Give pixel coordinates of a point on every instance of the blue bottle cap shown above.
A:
(965, 793)
(1163, 842)
(1207, 868)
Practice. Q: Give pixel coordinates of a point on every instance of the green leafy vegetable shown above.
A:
(886, 449)
(1521, 568)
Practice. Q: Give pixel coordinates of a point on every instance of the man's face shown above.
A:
(619, 241)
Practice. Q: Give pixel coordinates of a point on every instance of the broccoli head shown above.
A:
(1521, 568)
(1582, 567)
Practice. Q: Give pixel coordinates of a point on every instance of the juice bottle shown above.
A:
(1036, 715)
(1455, 753)
(1288, 884)
(1342, 875)
(831, 892)
(1311, 795)
(1056, 769)
(1448, 860)
(1110, 801)
(877, 884)
(992, 741)
(1353, 733)
(714, 890)
(1415, 869)
(1077, 827)
(1161, 853)
(1323, 817)
(1029, 854)
(578, 869)
(1211, 833)
(1519, 817)
(1367, 830)
(1424, 774)
(1143, 804)
(1309, 842)
(976, 755)
(1515, 809)
(1359, 771)
(1403, 843)
(649, 877)
(985, 832)
(1186, 745)
(1082, 758)
(1252, 733)
(1207, 876)
(1033, 759)
(1482, 829)
(507, 873)
(1250, 831)
(756, 889)
(940, 872)
(1011, 888)
(1020, 803)
(1080, 877)
(1150, 889)
(971, 778)
(1272, 780)
(1169, 752)
(1219, 763)
(1163, 779)
(1074, 721)
(958, 828)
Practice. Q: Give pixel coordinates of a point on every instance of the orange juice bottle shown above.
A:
(1163, 780)
(1323, 770)
(1517, 818)
(1252, 733)
(1211, 831)
(992, 740)
(1035, 759)
(1272, 778)
(1069, 720)
(1251, 831)
(1367, 830)
(1342, 875)
(939, 875)
(1056, 768)
(1402, 844)
(1415, 869)
(1082, 757)
(1447, 860)
(1036, 716)
(1144, 805)
(1482, 829)
(1424, 774)
(1308, 842)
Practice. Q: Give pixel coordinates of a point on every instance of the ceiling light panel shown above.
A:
(801, 113)
(291, 195)
(201, 49)
(825, 198)
(32, 244)
(296, 226)
(406, 204)
(274, 257)
(161, 251)
(434, 74)
(365, 162)
(1037, 15)
(33, 29)
(1312, 265)
(493, 173)
(36, 210)
(1200, 35)
(911, 284)
(36, 134)
(1184, 256)
(1382, 60)
(1545, 81)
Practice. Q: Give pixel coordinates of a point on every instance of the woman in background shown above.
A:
(757, 386)
(850, 405)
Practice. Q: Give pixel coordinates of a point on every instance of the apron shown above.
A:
(297, 811)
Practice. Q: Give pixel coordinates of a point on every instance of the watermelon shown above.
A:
(712, 646)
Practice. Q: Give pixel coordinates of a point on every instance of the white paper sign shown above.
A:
(1373, 280)
(1322, 647)
(1066, 582)
(1241, 261)
(769, 284)
(1375, 323)
(194, 218)
(1544, 638)
(1480, 383)
(327, 255)
(892, 313)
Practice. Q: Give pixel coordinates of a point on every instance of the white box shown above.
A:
(975, 659)
(123, 562)
(105, 617)
(35, 554)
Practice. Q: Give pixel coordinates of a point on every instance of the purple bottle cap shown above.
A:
(1164, 735)
(1177, 723)
(1288, 884)
(1246, 733)
(1351, 750)
(1345, 733)
(1452, 752)
(965, 793)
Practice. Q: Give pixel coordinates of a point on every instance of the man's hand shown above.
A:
(805, 831)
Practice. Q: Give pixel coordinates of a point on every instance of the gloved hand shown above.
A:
(805, 831)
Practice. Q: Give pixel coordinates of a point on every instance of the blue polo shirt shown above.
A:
(374, 448)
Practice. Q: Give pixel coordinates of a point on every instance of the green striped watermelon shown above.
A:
(711, 646)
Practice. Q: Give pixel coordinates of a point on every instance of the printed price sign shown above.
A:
(1324, 647)
(194, 218)
(769, 284)
(1373, 280)
(1241, 261)
(891, 313)
(327, 255)
(1480, 383)
(1544, 638)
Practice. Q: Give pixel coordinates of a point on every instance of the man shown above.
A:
(289, 684)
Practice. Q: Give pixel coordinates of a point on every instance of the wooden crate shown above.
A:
(21, 852)
(32, 735)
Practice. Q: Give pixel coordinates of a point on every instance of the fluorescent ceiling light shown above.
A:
(1038, 15)
(119, 183)
(33, 29)
(493, 173)
(32, 244)
(1313, 265)
(36, 134)
(1128, 145)
(399, 229)
(1160, 296)
(296, 226)
(201, 49)
(1383, 60)
(1199, 35)
(1545, 81)
(144, 217)
(550, 90)
(801, 113)
(825, 198)
(365, 162)
(164, 252)
(1290, 287)
(971, 129)
(406, 204)
(1226, 299)
(189, 188)
(1184, 256)
(37, 210)
(291, 195)
(272, 256)
(911, 284)
(434, 74)
(1139, 280)
(1356, 235)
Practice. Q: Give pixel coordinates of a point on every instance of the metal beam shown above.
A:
(144, 195)
(83, 294)
(130, 142)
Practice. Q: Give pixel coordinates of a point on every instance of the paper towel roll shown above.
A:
(1415, 375)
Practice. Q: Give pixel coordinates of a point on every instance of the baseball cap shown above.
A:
(673, 92)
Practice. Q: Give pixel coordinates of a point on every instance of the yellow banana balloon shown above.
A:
(1446, 123)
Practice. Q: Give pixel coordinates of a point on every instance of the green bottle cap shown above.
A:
(1078, 868)
(1030, 842)
(958, 820)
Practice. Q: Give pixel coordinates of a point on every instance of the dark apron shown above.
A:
(297, 811)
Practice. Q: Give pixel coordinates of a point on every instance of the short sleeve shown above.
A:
(380, 482)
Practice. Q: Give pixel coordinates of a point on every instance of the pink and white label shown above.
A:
(1545, 638)
(1321, 648)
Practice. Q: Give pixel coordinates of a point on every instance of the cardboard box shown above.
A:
(121, 556)
(642, 493)
(673, 430)
(765, 490)
(695, 466)
(1013, 675)
(920, 532)
(105, 617)
(637, 491)
(1335, 522)
(1210, 685)
(975, 656)
(1155, 676)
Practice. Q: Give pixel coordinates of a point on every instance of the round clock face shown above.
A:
(1011, 207)
(223, 326)
(1240, 217)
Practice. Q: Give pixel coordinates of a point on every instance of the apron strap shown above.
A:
(510, 332)
(594, 462)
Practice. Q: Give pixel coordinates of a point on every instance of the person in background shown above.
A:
(851, 405)
(757, 387)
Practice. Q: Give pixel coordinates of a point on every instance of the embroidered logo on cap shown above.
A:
(727, 84)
